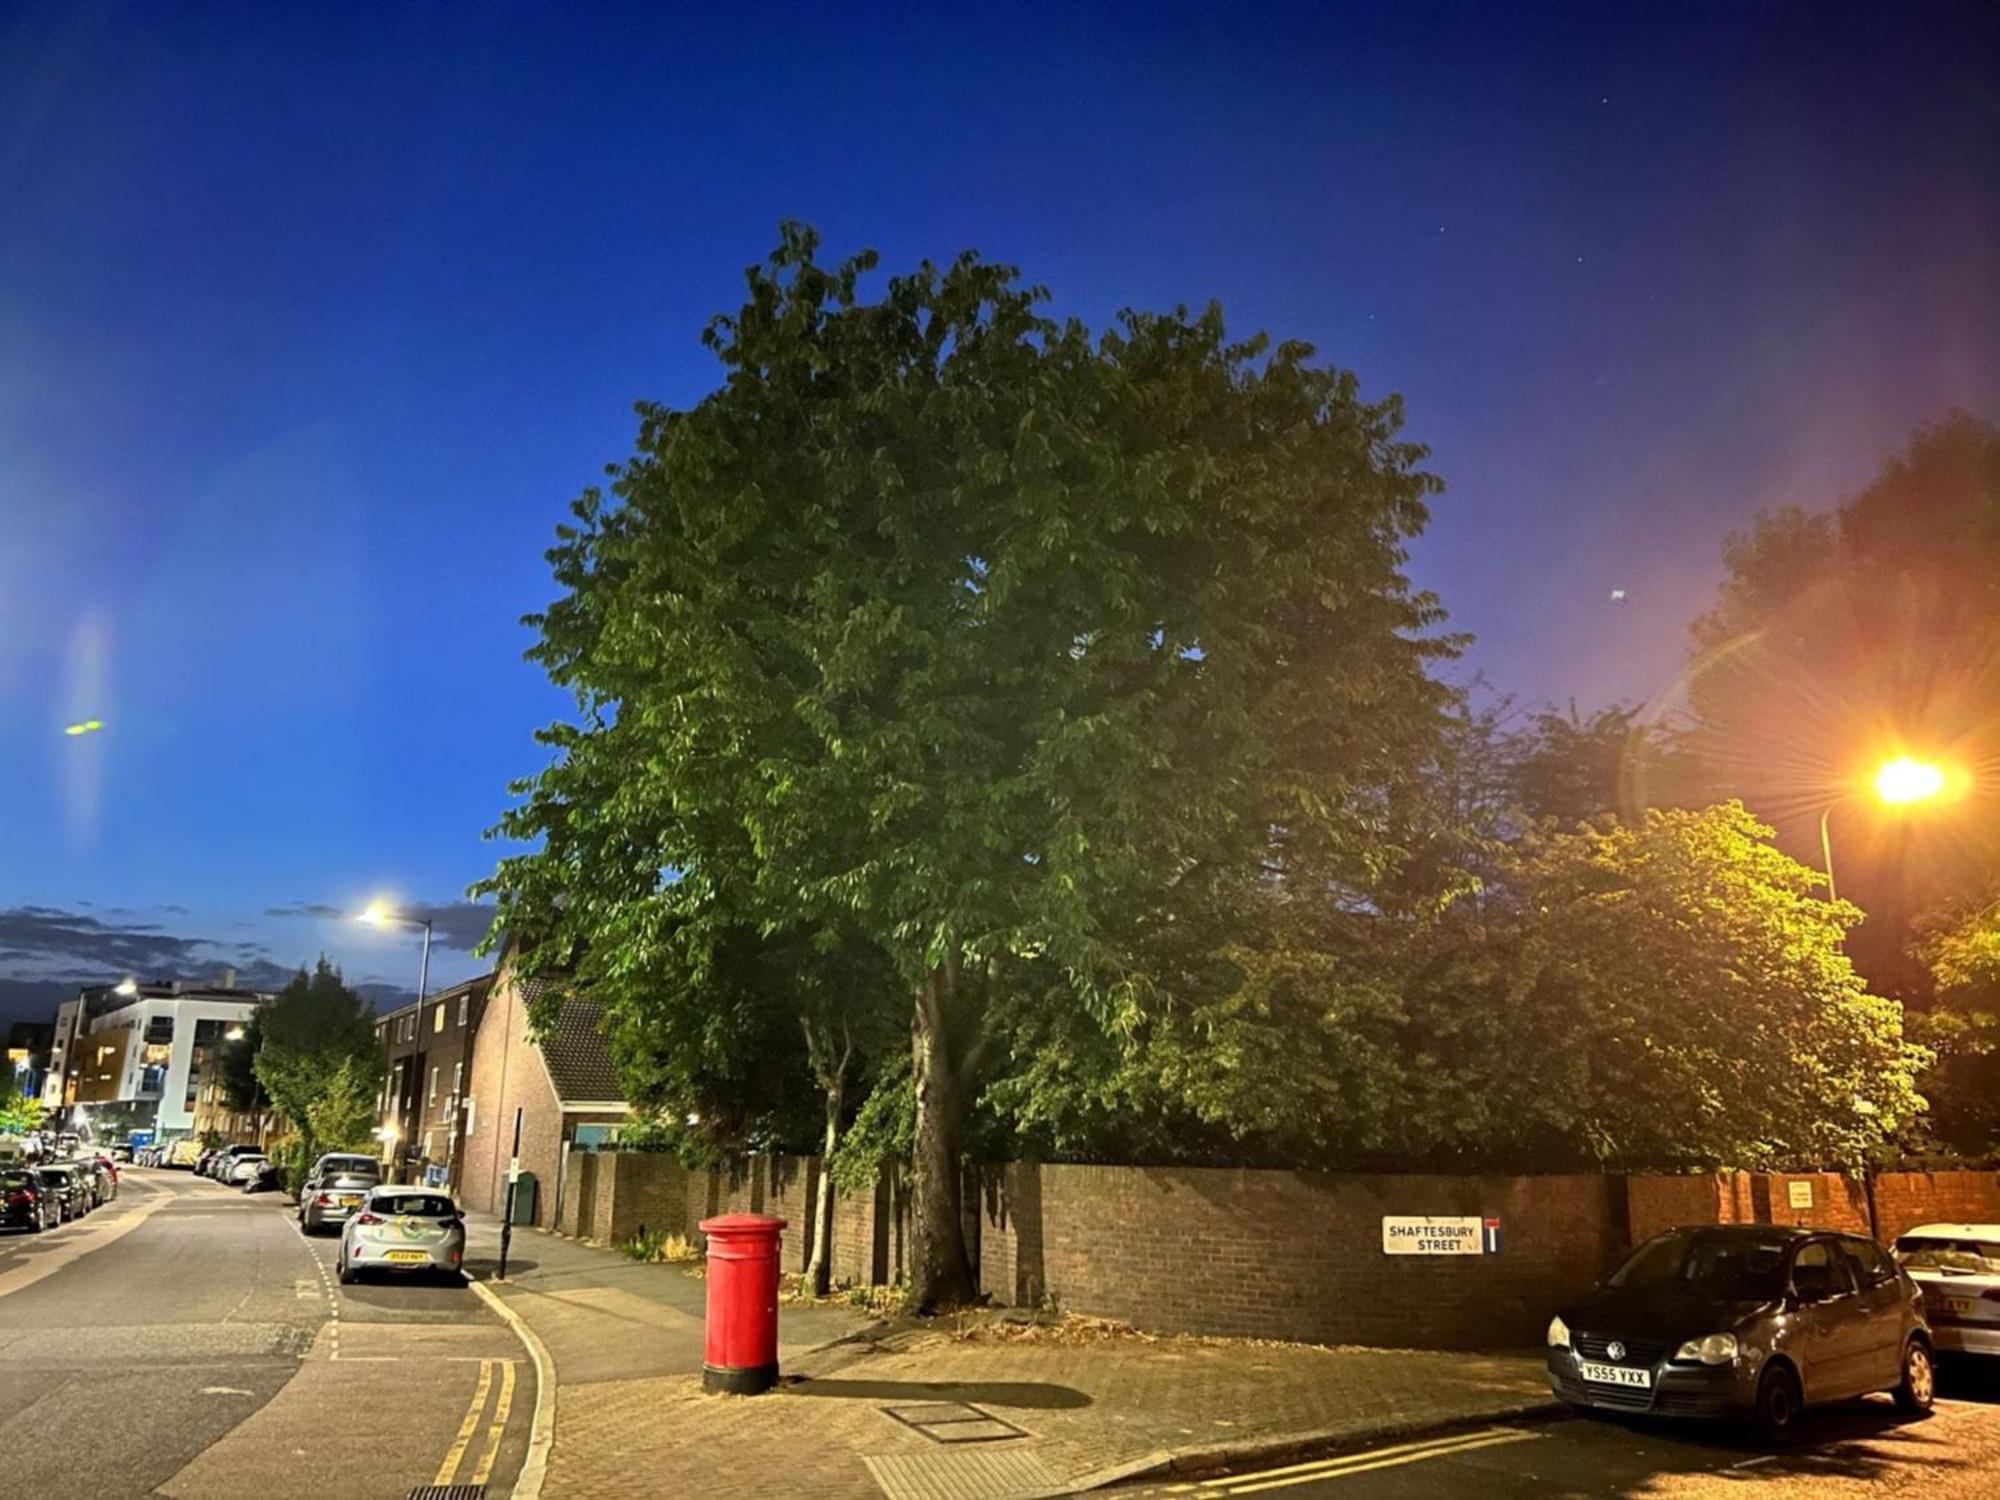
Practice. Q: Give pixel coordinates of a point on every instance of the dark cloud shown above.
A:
(314, 909)
(68, 943)
(456, 924)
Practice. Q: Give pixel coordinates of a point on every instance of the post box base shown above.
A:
(717, 1380)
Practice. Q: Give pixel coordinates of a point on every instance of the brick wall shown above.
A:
(508, 1074)
(1296, 1255)
(1293, 1255)
(1904, 1200)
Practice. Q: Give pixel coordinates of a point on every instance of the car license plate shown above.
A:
(1958, 1307)
(407, 1257)
(1615, 1374)
(350, 1201)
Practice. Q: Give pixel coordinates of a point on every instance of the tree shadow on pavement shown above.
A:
(1023, 1393)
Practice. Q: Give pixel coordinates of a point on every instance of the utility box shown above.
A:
(525, 1191)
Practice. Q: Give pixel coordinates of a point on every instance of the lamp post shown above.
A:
(1901, 782)
(381, 914)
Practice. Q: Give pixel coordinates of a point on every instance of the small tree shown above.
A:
(313, 1032)
(343, 1118)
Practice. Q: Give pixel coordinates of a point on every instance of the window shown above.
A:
(434, 1086)
(438, 1024)
(464, 1007)
(1932, 1252)
(1865, 1258)
(457, 1079)
(1817, 1273)
(417, 1205)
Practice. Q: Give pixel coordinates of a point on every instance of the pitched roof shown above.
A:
(579, 1062)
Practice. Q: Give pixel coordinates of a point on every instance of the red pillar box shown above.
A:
(742, 1351)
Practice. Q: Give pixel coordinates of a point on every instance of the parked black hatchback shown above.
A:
(1745, 1320)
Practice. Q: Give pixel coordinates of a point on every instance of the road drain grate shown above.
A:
(449, 1492)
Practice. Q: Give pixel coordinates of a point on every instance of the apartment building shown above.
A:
(427, 1053)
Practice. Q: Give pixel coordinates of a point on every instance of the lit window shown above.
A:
(434, 1086)
(464, 1008)
(457, 1079)
(438, 1024)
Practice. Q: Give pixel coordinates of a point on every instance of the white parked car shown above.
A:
(1958, 1267)
(245, 1166)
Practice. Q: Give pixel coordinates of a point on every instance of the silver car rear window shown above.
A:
(416, 1205)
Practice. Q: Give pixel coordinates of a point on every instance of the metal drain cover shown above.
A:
(448, 1492)
(954, 1422)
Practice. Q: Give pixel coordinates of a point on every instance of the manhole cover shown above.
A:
(998, 1474)
(954, 1422)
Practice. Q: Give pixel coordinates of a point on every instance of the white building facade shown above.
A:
(132, 1054)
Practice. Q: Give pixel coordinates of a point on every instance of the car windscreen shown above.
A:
(350, 1166)
(1737, 1268)
(1931, 1252)
(415, 1205)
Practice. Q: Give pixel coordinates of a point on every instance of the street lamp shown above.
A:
(1903, 781)
(378, 913)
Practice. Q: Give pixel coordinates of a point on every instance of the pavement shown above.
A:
(186, 1341)
(979, 1408)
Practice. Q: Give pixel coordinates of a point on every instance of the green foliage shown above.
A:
(317, 1037)
(343, 1118)
(1960, 946)
(1671, 993)
(19, 1114)
(882, 1132)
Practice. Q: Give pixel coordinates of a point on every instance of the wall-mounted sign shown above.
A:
(1799, 1193)
(1450, 1235)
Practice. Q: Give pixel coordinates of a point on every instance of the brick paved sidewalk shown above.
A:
(875, 1414)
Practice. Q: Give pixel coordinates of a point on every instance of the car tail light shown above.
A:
(1991, 1296)
(18, 1196)
(325, 1200)
(370, 1219)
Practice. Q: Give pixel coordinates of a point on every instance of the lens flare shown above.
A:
(1904, 780)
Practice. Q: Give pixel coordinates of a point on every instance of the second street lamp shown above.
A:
(1901, 782)
(381, 914)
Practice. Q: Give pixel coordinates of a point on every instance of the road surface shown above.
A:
(186, 1341)
(1864, 1449)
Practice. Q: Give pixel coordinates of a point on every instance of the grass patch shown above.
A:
(657, 1247)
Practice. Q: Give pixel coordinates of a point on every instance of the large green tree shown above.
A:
(316, 1037)
(953, 627)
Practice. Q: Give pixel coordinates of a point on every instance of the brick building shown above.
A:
(427, 1051)
(563, 1087)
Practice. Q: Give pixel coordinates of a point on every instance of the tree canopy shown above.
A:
(958, 630)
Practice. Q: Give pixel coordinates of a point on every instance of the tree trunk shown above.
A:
(940, 1274)
(819, 1272)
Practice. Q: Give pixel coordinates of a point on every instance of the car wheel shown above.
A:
(343, 1271)
(1918, 1389)
(1778, 1404)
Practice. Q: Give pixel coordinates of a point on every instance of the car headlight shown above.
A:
(1716, 1349)
(1558, 1334)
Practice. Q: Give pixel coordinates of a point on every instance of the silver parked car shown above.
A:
(241, 1168)
(402, 1229)
(334, 1189)
(1958, 1268)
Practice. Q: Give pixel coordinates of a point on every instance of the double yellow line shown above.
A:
(1362, 1463)
(503, 1407)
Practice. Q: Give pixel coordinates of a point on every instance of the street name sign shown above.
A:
(1448, 1235)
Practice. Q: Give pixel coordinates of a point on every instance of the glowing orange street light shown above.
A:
(1903, 781)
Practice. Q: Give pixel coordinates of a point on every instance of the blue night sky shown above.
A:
(314, 318)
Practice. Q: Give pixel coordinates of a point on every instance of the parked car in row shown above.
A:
(1745, 1320)
(1957, 1267)
(70, 1186)
(334, 1188)
(405, 1231)
(26, 1201)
